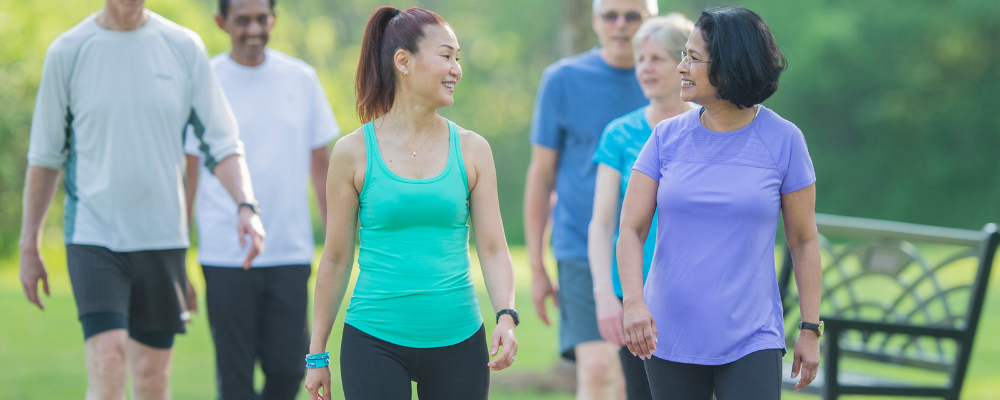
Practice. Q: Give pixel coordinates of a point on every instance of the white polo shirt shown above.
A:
(283, 114)
(111, 111)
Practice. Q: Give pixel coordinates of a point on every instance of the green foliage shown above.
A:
(892, 95)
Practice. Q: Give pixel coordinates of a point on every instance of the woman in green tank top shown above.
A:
(413, 180)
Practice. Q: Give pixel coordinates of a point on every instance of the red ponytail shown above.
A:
(388, 29)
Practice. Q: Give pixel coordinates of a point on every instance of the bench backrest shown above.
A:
(899, 273)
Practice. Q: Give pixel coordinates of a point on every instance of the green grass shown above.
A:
(41, 353)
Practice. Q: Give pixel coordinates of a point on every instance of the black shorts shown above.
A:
(148, 288)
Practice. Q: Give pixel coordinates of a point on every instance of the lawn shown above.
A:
(41, 353)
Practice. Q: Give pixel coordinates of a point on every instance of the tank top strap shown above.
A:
(372, 154)
(456, 154)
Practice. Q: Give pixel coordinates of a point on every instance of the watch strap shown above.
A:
(818, 328)
(254, 206)
(512, 313)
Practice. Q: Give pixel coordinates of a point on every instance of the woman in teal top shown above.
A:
(413, 180)
(657, 45)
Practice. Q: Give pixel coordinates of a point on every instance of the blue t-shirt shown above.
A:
(620, 144)
(577, 98)
(712, 288)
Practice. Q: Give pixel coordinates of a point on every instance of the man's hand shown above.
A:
(806, 357)
(610, 318)
(541, 287)
(503, 336)
(249, 224)
(192, 298)
(32, 270)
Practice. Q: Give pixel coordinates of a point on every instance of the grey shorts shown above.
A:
(147, 287)
(578, 314)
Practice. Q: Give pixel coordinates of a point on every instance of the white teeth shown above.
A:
(686, 82)
(449, 85)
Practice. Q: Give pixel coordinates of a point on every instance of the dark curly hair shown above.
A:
(746, 62)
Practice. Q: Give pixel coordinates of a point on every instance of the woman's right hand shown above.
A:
(317, 378)
(640, 330)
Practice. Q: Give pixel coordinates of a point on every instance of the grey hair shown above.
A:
(651, 6)
(670, 31)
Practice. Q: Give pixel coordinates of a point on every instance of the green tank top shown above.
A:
(414, 287)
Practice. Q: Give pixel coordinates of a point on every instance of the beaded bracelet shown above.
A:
(318, 360)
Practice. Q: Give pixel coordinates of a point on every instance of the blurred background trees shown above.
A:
(898, 99)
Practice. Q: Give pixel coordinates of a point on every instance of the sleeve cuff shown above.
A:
(54, 163)
(786, 189)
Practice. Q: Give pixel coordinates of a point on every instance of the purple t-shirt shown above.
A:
(712, 288)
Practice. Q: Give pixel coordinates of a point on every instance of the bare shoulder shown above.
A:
(350, 147)
(474, 144)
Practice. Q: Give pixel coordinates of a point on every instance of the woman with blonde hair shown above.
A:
(658, 45)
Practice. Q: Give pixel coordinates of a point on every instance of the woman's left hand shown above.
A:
(806, 358)
(503, 336)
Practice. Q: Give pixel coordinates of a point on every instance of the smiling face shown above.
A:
(615, 36)
(249, 24)
(695, 84)
(656, 70)
(434, 70)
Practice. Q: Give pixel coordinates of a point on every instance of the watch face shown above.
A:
(821, 325)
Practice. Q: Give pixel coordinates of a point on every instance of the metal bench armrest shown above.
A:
(839, 324)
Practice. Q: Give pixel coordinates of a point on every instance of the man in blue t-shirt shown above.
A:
(578, 96)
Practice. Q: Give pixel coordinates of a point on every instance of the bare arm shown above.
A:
(190, 189)
(235, 177)
(190, 184)
(537, 196)
(39, 187)
(491, 245)
(600, 246)
(317, 171)
(637, 216)
(338, 250)
(799, 210)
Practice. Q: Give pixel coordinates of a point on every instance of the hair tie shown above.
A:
(395, 13)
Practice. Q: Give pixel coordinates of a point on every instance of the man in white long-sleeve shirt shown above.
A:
(116, 94)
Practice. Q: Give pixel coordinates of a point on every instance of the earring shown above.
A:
(406, 71)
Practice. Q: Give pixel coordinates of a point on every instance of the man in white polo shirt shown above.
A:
(285, 122)
(116, 94)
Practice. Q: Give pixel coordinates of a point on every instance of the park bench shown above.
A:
(901, 304)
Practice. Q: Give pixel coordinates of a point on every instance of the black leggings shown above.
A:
(372, 368)
(756, 376)
(636, 382)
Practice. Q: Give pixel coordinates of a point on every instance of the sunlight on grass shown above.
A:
(33, 339)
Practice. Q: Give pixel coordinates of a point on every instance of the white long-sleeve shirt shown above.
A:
(111, 111)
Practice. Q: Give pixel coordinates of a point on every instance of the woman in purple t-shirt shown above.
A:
(710, 316)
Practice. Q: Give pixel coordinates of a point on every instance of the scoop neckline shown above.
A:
(391, 174)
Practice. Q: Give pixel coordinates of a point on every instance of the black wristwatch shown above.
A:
(512, 313)
(254, 206)
(813, 327)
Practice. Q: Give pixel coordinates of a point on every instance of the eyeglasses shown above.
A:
(632, 17)
(688, 61)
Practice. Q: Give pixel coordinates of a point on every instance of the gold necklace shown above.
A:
(414, 152)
